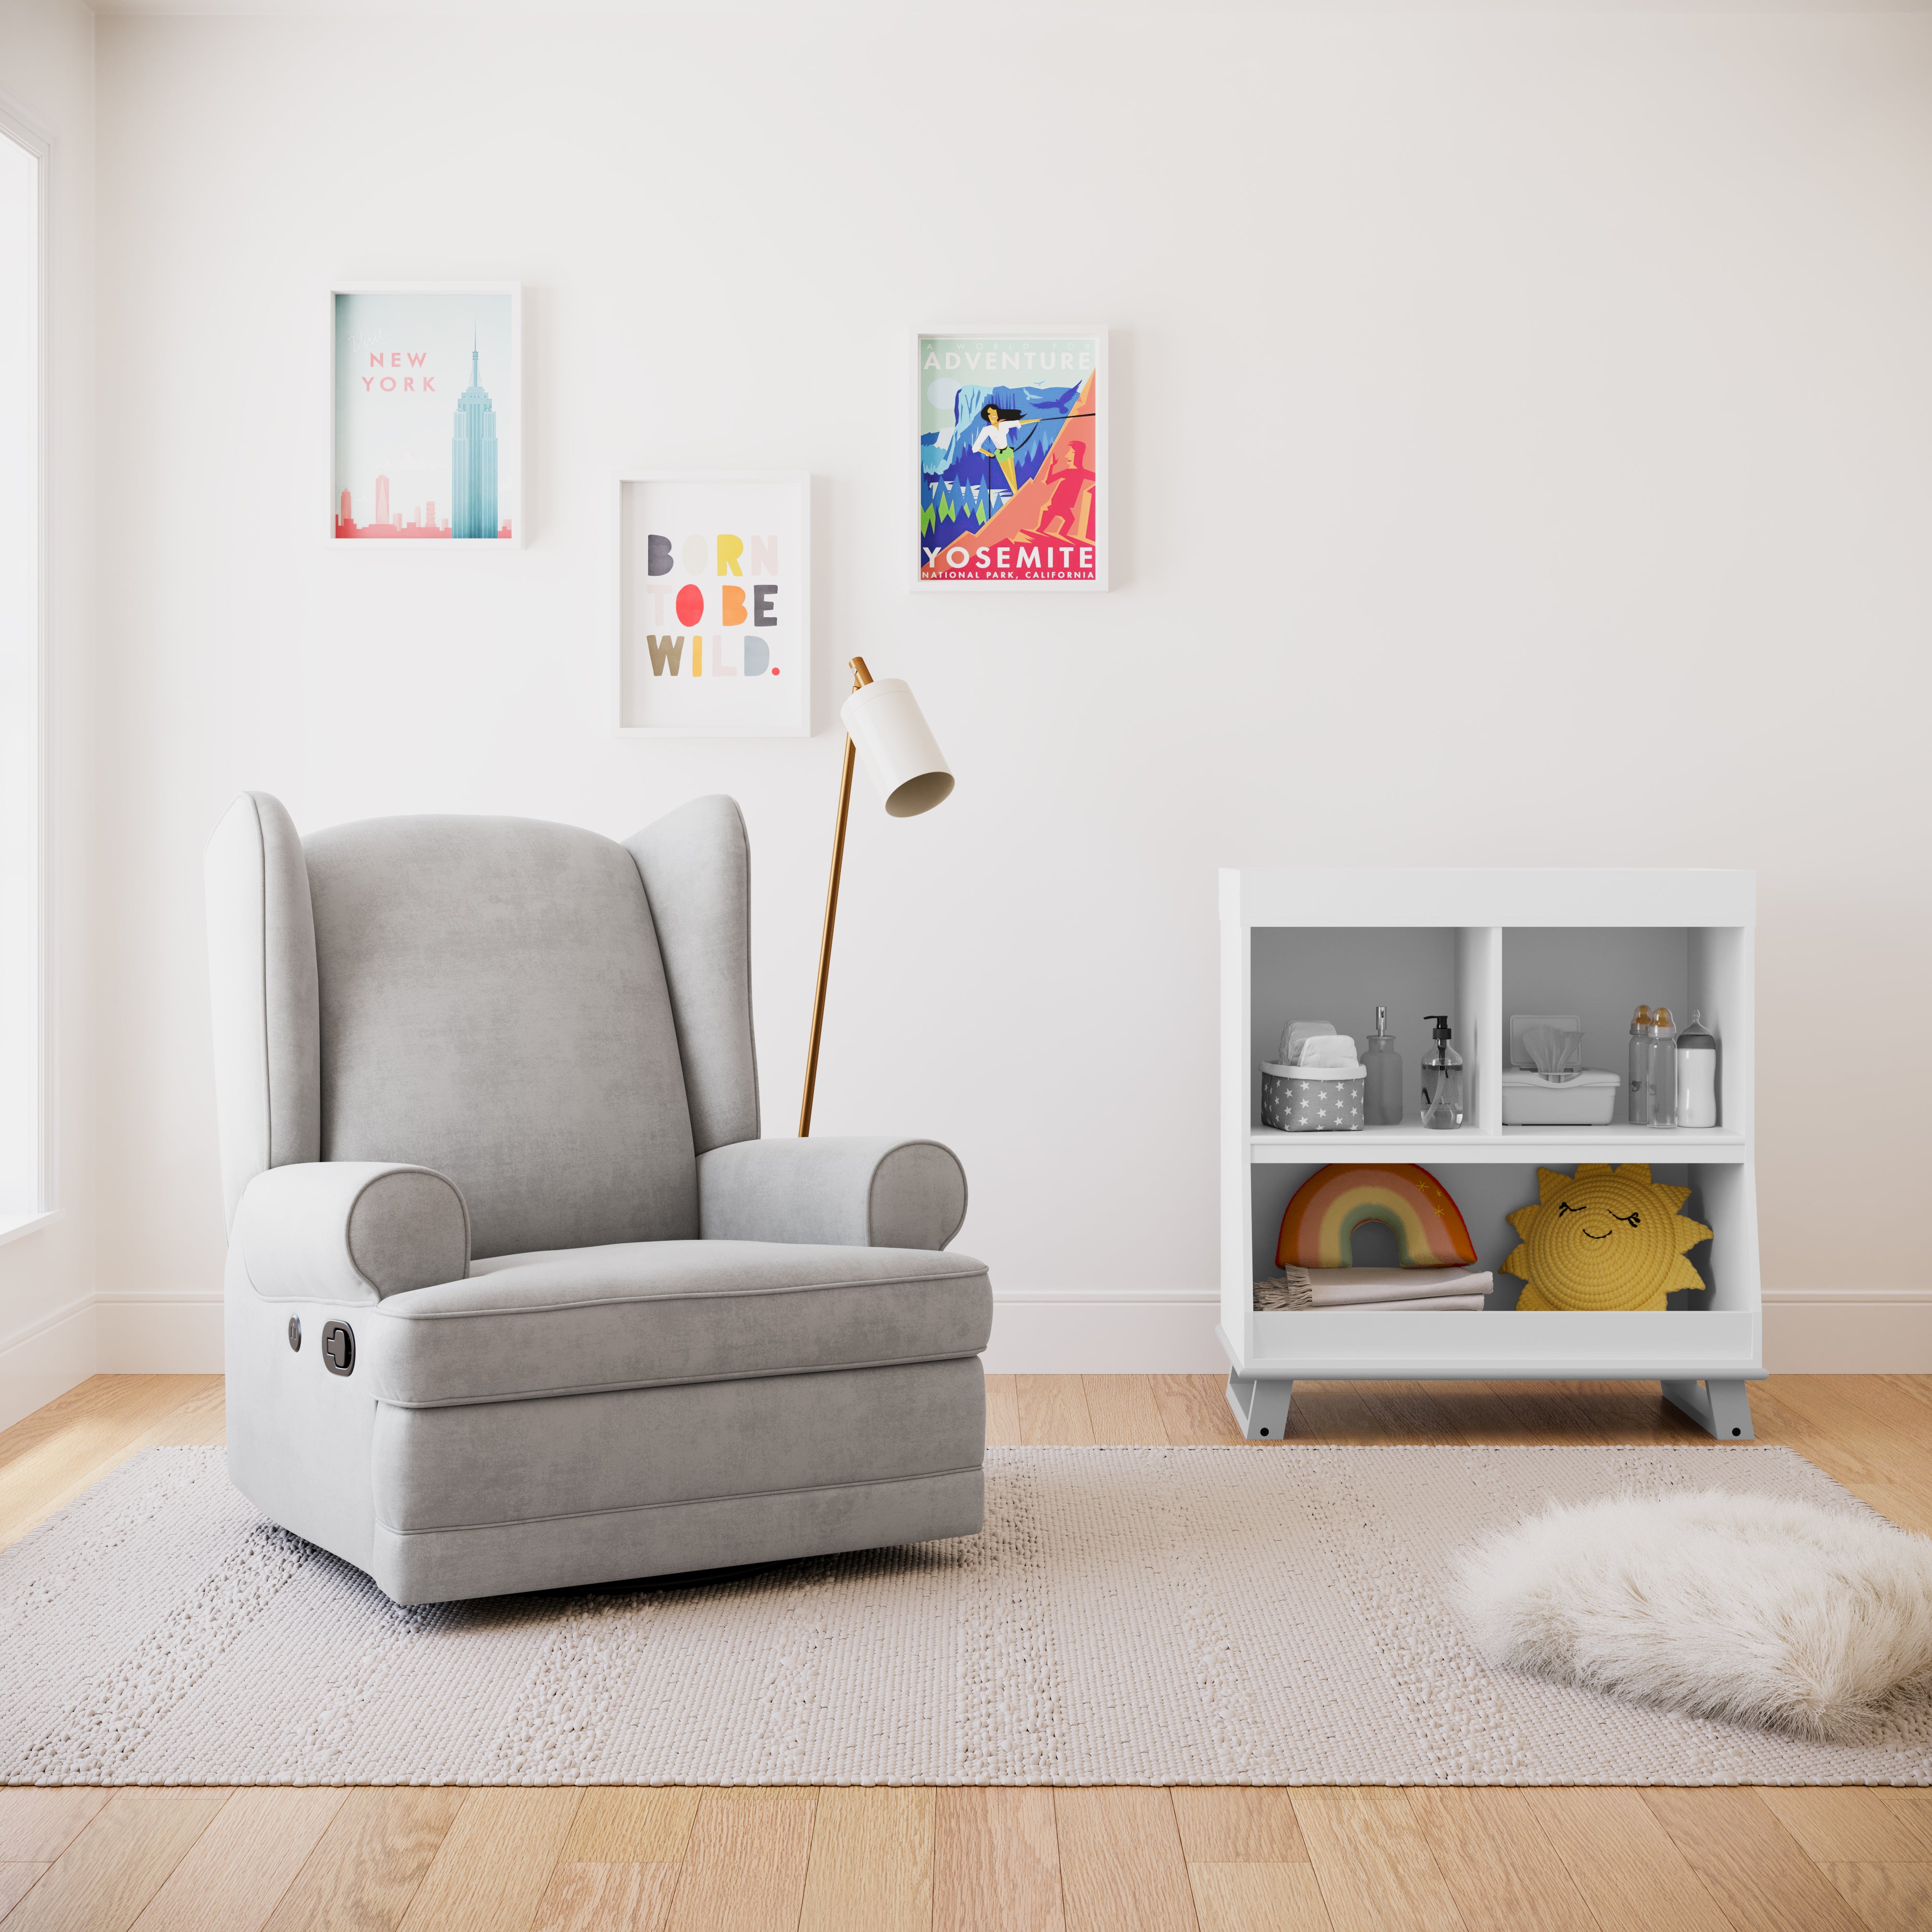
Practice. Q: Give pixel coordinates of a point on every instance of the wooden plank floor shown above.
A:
(680, 1860)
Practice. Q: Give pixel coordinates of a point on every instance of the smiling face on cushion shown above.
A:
(1600, 1239)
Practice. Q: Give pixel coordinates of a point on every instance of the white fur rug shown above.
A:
(1746, 1608)
(1147, 1616)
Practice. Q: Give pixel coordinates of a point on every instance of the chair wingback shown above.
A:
(696, 863)
(493, 1005)
(261, 951)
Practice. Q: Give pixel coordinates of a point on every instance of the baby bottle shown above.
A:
(1639, 1066)
(1697, 1074)
(1660, 1070)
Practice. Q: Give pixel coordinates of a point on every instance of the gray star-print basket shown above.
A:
(1311, 1099)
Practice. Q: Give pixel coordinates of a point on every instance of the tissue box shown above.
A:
(1312, 1100)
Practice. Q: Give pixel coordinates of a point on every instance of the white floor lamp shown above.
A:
(904, 761)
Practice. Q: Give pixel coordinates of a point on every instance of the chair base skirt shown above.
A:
(436, 1566)
(490, 1499)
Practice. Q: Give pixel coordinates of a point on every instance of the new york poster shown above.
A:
(1012, 491)
(428, 429)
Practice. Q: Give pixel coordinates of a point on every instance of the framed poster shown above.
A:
(1010, 472)
(426, 413)
(714, 606)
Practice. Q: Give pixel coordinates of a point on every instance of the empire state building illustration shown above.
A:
(473, 461)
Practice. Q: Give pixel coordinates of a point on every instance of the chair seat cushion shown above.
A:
(642, 1314)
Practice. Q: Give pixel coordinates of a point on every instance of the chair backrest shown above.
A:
(490, 998)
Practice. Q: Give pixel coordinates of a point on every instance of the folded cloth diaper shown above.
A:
(1334, 1050)
(1296, 1035)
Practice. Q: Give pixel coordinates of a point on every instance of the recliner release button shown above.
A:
(338, 1347)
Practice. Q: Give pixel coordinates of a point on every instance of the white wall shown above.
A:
(47, 1277)
(1530, 415)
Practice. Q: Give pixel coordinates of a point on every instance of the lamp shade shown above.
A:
(900, 754)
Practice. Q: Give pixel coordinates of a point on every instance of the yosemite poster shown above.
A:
(1012, 477)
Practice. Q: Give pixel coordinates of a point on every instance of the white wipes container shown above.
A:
(1545, 1084)
(1586, 1100)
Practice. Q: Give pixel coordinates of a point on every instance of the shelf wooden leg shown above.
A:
(1723, 1408)
(1260, 1407)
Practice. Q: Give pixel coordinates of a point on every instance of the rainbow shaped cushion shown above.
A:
(1328, 1206)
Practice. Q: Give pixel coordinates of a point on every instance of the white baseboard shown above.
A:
(1067, 1333)
(45, 1360)
(162, 1334)
(1877, 1332)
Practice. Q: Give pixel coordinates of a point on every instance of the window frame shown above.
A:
(23, 128)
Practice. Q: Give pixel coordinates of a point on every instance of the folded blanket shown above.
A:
(1373, 1288)
(1271, 1297)
(1435, 1303)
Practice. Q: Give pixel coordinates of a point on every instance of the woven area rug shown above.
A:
(1164, 1616)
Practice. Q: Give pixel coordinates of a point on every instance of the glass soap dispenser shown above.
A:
(1441, 1079)
(1382, 1098)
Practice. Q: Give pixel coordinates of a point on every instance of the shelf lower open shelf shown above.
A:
(1549, 1146)
(1351, 1344)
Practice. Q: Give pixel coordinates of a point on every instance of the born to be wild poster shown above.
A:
(1012, 446)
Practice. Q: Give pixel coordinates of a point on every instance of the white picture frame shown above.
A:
(435, 312)
(684, 622)
(1058, 504)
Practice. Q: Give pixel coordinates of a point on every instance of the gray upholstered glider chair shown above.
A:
(517, 1298)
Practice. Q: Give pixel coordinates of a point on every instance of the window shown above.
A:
(26, 1190)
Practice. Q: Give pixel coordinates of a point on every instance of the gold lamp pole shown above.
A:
(861, 677)
(883, 728)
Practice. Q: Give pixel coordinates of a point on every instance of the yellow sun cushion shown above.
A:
(1603, 1239)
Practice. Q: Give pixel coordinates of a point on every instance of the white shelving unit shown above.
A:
(1331, 945)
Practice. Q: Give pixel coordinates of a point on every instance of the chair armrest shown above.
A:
(860, 1193)
(350, 1231)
